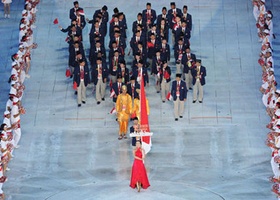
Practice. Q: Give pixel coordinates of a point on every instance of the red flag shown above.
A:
(144, 120)
(75, 86)
(169, 96)
(68, 72)
(113, 110)
(55, 21)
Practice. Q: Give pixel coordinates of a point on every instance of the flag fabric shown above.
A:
(113, 110)
(55, 21)
(68, 72)
(144, 120)
(169, 96)
(75, 86)
(81, 11)
(112, 93)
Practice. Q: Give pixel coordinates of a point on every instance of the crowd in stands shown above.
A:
(20, 67)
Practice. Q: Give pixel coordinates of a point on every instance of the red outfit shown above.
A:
(139, 172)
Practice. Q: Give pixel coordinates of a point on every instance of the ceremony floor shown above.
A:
(217, 151)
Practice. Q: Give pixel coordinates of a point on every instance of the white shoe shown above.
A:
(27, 75)
(12, 156)
(8, 169)
(8, 16)
(17, 146)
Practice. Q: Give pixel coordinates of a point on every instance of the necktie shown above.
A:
(82, 74)
(178, 89)
(132, 91)
(119, 88)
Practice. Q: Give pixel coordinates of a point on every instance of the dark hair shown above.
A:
(2, 127)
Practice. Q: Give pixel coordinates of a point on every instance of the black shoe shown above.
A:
(116, 119)
(71, 76)
(83, 102)
(98, 102)
(200, 101)
(157, 91)
(76, 93)
(176, 119)
(194, 101)
(190, 88)
(79, 105)
(103, 99)
(163, 101)
(181, 116)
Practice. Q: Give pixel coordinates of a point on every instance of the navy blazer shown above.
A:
(134, 44)
(188, 20)
(153, 16)
(77, 75)
(202, 74)
(183, 90)
(159, 18)
(168, 70)
(185, 60)
(164, 53)
(93, 54)
(124, 75)
(144, 73)
(129, 89)
(170, 16)
(135, 24)
(72, 14)
(116, 90)
(95, 73)
(177, 51)
(155, 63)
(72, 54)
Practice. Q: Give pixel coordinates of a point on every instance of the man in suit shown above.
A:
(136, 38)
(164, 16)
(114, 65)
(173, 12)
(103, 13)
(198, 73)
(73, 31)
(95, 50)
(141, 72)
(156, 68)
(120, 41)
(137, 22)
(179, 95)
(80, 18)
(184, 33)
(117, 88)
(149, 15)
(188, 60)
(165, 78)
(99, 76)
(164, 49)
(74, 50)
(179, 51)
(97, 30)
(81, 77)
(135, 128)
(186, 17)
(72, 12)
(132, 88)
(123, 71)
